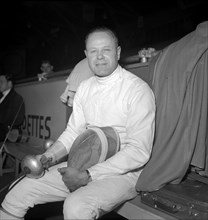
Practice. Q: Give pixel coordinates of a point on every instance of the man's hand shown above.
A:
(74, 178)
(45, 161)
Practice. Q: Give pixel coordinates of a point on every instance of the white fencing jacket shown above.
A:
(125, 102)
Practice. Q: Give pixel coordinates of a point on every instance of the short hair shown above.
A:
(8, 76)
(46, 61)
(103, 29)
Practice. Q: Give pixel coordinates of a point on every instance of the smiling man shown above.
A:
(103, 53)
(114, 98)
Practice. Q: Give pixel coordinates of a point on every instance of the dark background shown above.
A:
(35, 30)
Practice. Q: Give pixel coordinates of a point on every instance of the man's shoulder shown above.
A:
(130, 76)
(85, 85)
(135, 84)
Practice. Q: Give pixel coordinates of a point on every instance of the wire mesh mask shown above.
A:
(93, 146)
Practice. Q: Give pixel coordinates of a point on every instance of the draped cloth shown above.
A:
(179, 82)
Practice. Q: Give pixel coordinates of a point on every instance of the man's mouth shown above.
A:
(101, 64)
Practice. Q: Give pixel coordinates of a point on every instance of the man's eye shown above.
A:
(107, 49)
(93, 51)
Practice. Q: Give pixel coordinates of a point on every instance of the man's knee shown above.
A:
(75, 207)
(4, 215)
(20, 198)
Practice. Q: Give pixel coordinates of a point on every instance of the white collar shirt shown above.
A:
(5, 93)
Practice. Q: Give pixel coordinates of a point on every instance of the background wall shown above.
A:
(46, 116)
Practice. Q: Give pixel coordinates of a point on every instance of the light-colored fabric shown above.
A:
(180, 85)
(4, 215)
(87, 202)
(56, 152)
(80, 72)
(67, 96)
(124, 102)
(98, 197)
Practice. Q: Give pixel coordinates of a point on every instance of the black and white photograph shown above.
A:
(104, 110)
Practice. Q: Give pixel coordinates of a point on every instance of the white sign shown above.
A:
(46, 116)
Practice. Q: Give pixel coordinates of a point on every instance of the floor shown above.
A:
(44, 212)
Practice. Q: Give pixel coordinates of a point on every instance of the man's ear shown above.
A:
(118, 52)
(85, 52)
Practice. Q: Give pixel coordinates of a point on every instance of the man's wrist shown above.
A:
(50, 156)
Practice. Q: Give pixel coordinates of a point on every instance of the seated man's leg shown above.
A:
(29, 192)
(98, 197)
(4, 215)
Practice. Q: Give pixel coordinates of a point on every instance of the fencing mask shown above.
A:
(93, 146)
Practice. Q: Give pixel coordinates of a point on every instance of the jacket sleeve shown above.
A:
(76, 124)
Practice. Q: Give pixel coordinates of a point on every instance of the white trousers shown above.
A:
(88, 202)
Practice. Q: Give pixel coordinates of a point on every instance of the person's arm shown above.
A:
(56, 152)
(62, 146)
(76, 124)
(139, 137)
(52, 155)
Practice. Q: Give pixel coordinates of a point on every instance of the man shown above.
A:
(113, 97)
(46, 68)
(12, 109)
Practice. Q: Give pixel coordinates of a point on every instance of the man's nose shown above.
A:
(100, 55)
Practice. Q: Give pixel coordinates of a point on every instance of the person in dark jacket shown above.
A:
(12, 108)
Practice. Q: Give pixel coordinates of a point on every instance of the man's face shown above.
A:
(102, 53)
(46, 67)
(4, 84)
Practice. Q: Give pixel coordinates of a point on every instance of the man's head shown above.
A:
(46, 66)
(6, 82)
(102, 51)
